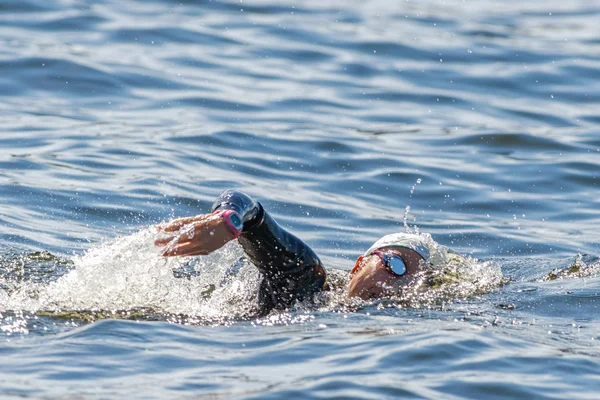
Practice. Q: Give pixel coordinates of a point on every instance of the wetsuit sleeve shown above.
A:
(290, 268)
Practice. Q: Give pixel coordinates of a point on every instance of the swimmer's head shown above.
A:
(389, 263)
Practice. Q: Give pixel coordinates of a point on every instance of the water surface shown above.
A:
(481, 117)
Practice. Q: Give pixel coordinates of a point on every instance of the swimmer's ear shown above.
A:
(357, 266)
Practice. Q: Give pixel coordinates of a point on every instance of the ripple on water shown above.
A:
(121, 114)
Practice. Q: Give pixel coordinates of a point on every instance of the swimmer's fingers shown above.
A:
(185, 249)
(164, 241)
(200, 238)
(194, 254)
(181, 227)
(177, 224)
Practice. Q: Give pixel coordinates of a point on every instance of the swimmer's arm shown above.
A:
(291, 270)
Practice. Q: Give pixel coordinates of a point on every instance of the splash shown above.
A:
(407, 208)
(128, 273)
(452, 276)
(127, 277)
(448, 277)
(578, 268)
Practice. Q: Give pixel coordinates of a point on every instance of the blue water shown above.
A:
(476, 122)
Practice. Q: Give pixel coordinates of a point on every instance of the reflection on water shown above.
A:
(117, 115)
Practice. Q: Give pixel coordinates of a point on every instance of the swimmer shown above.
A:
(290, 269)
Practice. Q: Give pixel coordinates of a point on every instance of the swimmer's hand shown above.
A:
(195, 236)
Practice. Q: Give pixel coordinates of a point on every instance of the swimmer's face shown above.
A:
(372, 279)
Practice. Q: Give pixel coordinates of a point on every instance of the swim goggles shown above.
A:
(392, 261)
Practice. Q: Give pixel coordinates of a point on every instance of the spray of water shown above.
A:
(128, 273)
(407, 228)
(128, 277)
(447, 277)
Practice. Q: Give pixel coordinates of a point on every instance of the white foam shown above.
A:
(128, 272)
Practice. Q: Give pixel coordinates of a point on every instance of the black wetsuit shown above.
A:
(290, 269)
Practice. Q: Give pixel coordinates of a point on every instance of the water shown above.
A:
(475, 122)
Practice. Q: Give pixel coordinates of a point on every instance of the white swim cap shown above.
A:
(404, 240)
